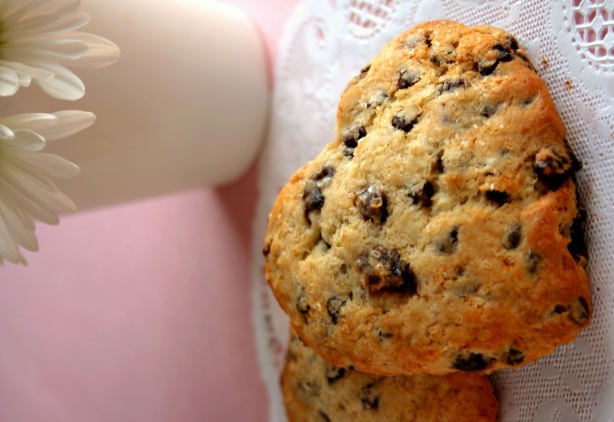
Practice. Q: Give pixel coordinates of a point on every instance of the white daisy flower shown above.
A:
(38, 41)
(26, 192)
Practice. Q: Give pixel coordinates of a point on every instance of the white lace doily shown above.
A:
(571, 43)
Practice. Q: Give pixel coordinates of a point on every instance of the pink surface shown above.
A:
(139, 312)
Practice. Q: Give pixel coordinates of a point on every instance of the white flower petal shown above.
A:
(14, 10)
(26, 192)
(50, 164)
(62, 50)
(27, 140)
(32, 121)
(45, 24)
(26, 26)
(38, 188)
(65, 85)
(19, 225)
(58, 125)
(24, 80)
(55, 7)
(32, 208)
(19, 172)
(66, 23)
(24, 218)
(8, 247)
(69, 123)
(9, 82)
(6, 132)
(101, 52)
(40, 35)
(23, 69)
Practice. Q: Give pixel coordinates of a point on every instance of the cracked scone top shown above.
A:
(315, 391)
(439, 230)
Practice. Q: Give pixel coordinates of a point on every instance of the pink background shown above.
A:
(140, 312)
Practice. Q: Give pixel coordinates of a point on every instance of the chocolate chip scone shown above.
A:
(439, 230)
(315, 391)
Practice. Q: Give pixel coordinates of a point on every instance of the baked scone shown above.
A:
(315, 391)
(439, 230)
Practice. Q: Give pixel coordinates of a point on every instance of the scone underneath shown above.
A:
(439, 231)
(315, 391)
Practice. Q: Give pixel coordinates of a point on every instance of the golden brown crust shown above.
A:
(439, 230)
(315, 391)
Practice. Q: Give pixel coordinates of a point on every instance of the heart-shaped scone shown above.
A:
(439, 231)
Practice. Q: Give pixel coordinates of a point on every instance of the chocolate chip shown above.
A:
(451, 85)
(511, 43)
(527, 102)
(553, 166)
(428, 39)
(384, 335)
(459, 271)
(576, 164)
(323, 416)
(333, 307)
(350, 138)
(326, 172)
(514, 356)
(407, 78)
(447, 245)
(499, 197)
(313, 200)
(333, 373)
(402, 123)
(365, 69)
(504, 54)
(486, 67)
(512, 238)
(266, 250)
(385, 271)
(559, 309)
(422, 194)
(439, 167)
(372, 204)
(302, 305)
(579, 311)
(533, 260)
(472, 362)
(369, 398)
(577, 246)
(487, 110)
